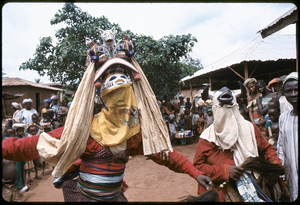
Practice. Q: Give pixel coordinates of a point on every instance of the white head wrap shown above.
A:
(293, 75)
(171, 116)
(16, 105)
(54, 97)
(181, 96)
(27, 101)
(18, 125)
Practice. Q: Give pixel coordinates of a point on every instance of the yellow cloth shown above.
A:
(121, 121)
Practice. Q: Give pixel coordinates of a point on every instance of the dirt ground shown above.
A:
(148, 182)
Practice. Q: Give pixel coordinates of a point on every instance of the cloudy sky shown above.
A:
(220, 28)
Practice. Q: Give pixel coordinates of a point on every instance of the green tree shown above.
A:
(164, 61)
(65, 61)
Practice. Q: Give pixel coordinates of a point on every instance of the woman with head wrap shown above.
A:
(54, 104)
(254, 115)
(181, 106)
(16, 107)
(25, 115)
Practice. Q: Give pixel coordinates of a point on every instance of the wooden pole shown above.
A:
(191, 91)
(236, 73)
(297, 53)
(210, 84)
(4, 107)
(253, 70)
(246, 70)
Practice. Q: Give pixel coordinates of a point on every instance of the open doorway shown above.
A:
(37, 101)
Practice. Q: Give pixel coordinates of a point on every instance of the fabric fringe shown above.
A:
(154, 131)
(73, 141)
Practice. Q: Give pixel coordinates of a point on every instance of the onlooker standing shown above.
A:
(45, 120)
(262, 104)
(287, 145)
(64, 109)
(173, 127)
(25, 115)
(54, 104)
(12, 179)
(254, 115)
(208, 117)
(47, 103)
(33, 129)
(273, 115)
(283, 103)
(16, 107)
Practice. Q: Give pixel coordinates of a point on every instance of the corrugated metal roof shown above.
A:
(272, 48)
(279, 23)
(20, 82)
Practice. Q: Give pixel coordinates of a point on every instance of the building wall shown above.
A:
(36, 94)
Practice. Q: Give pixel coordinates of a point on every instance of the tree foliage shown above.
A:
(164, 61)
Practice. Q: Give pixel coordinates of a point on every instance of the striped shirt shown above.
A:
(287, 148)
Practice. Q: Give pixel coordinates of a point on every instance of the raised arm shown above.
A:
(24, 149)
(175, 162)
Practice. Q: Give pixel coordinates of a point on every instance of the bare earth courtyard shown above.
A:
(148, 182)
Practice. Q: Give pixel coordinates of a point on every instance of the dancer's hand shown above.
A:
(235, 172)
(204, 181)
(164, 155)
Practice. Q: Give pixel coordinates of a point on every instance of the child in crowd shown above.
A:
(13, 174)
(272, 117)
(275, 133)
(33, 129)
(181, 123)
(243, 107)
(58, 122)
(188, 103)
(164, 114)
(12, 178)
(45, 121)
(187, 119)
(54, 104)
(20, 133)
(47, 103)
(173, 127)
(63, 110)
(8, 127)
(199, 126)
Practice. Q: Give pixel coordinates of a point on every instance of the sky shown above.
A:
(220, 28)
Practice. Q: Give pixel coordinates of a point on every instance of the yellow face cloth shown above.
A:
(121, 121)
